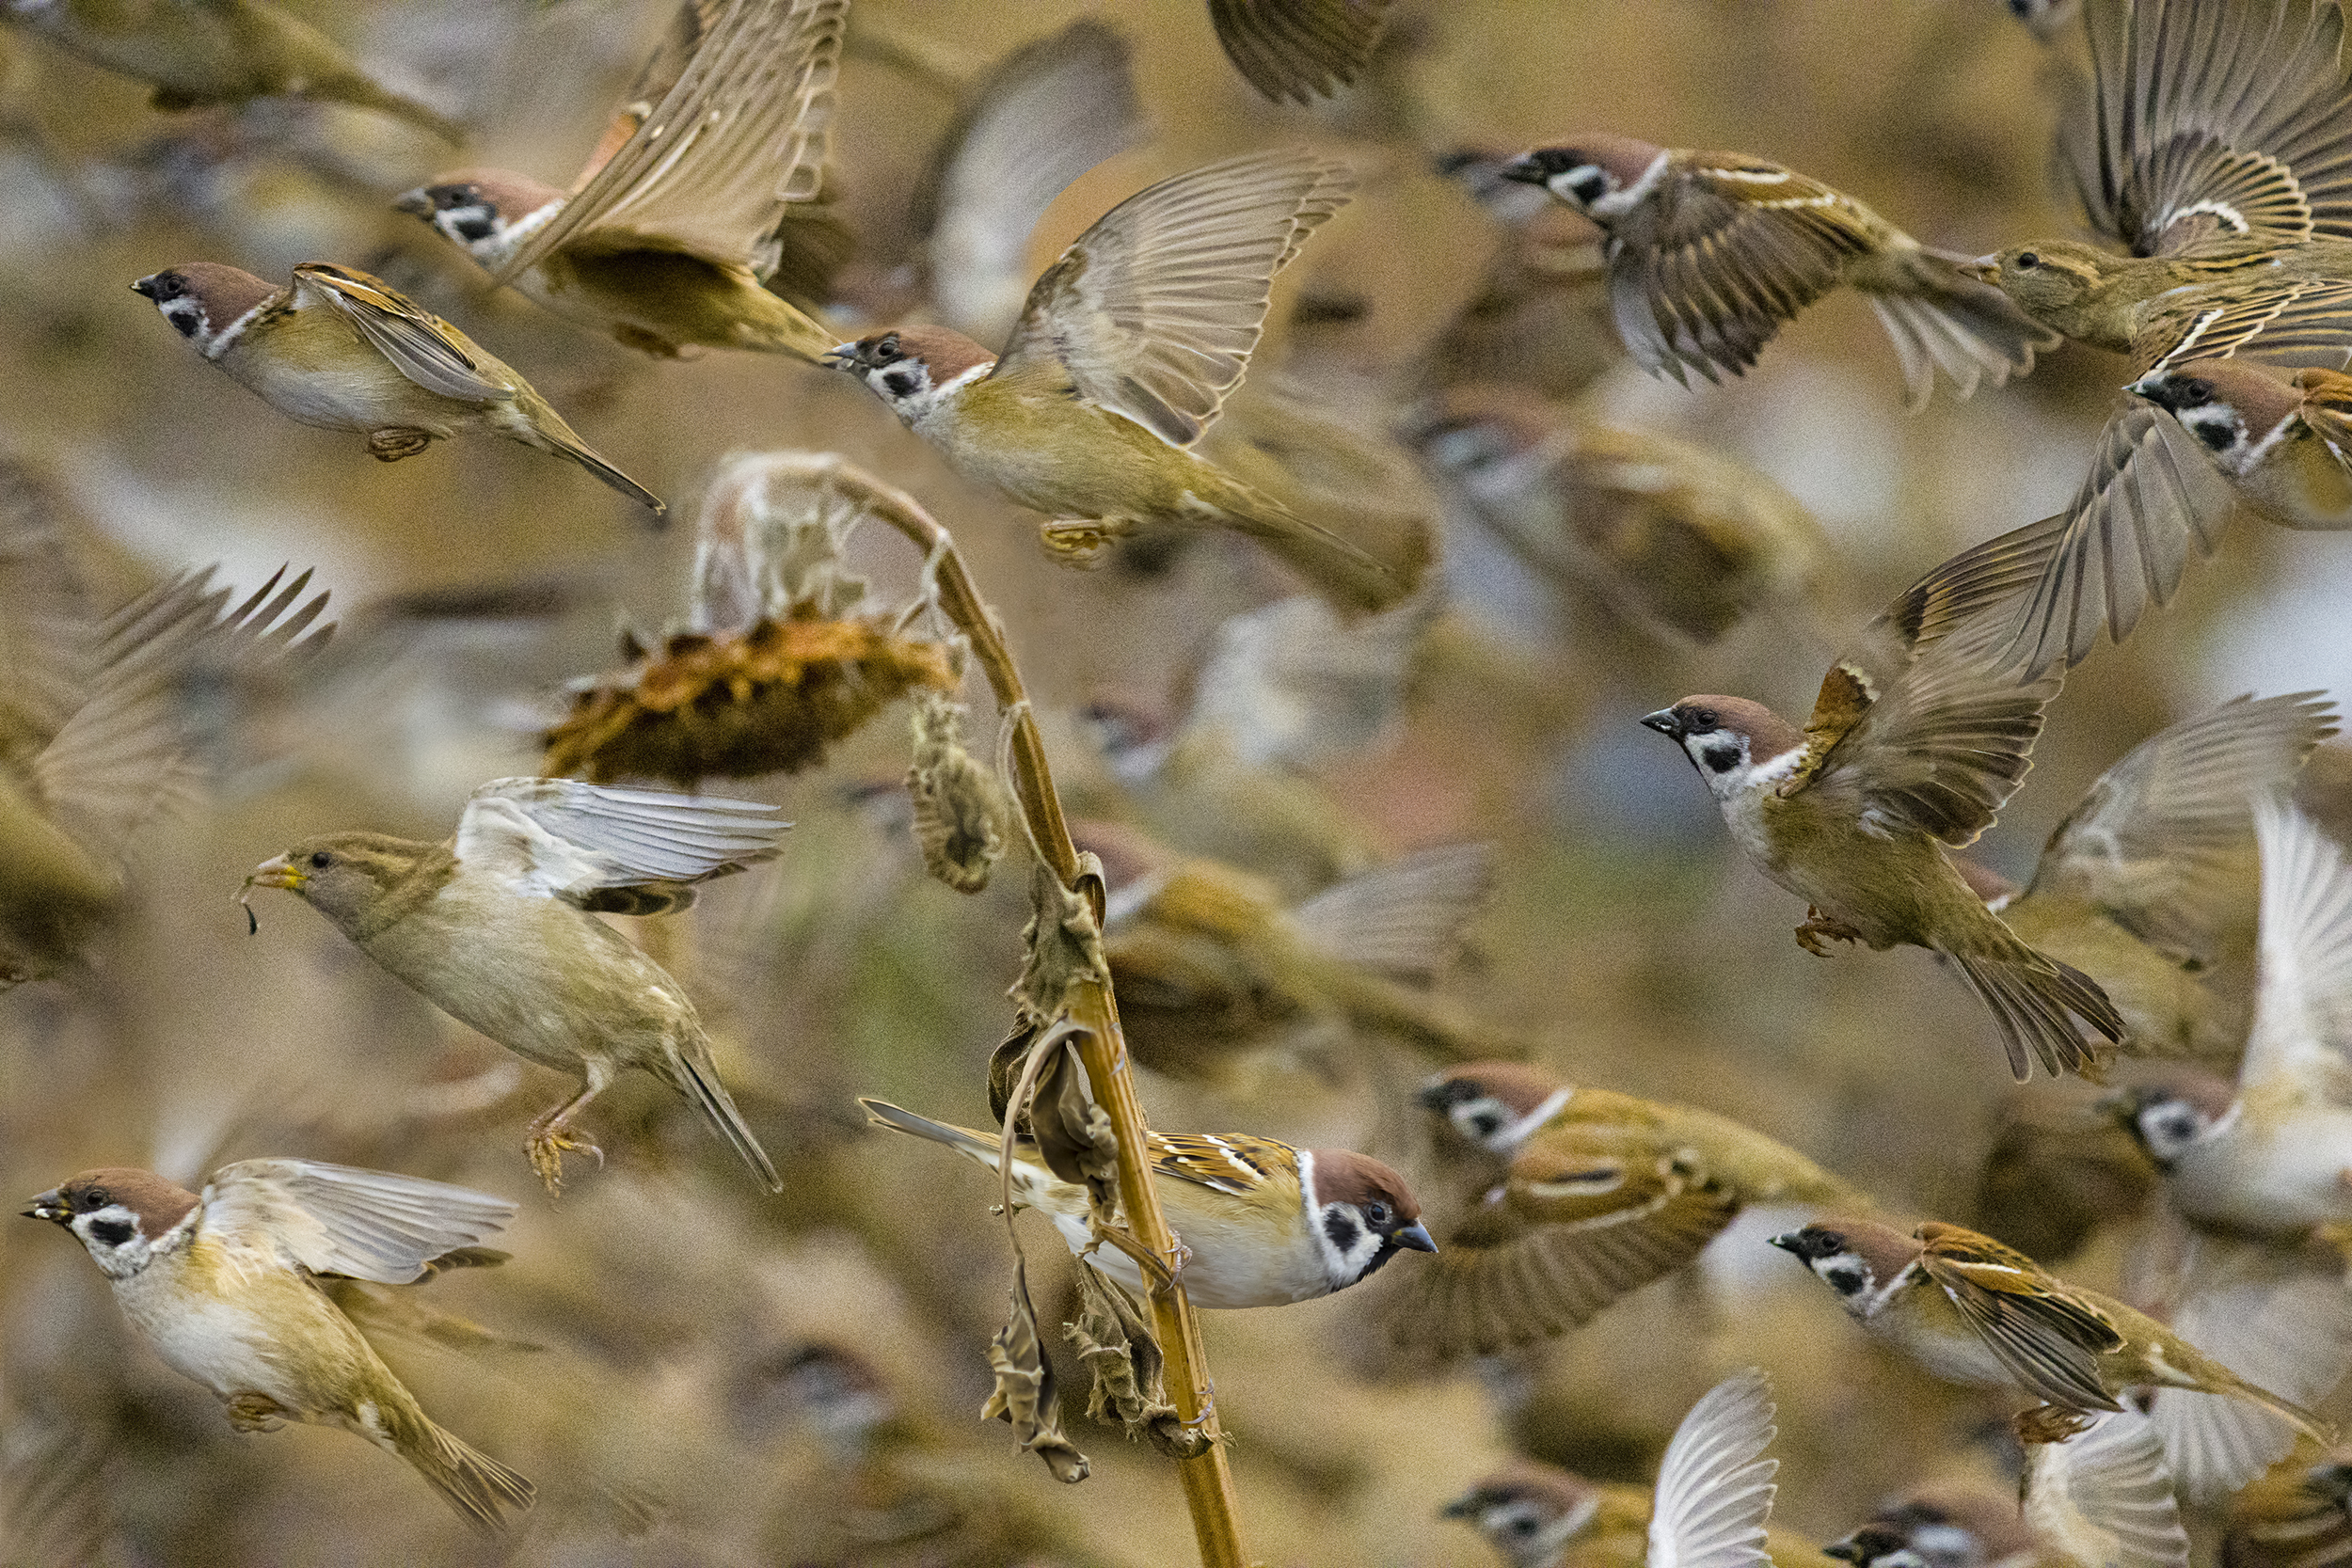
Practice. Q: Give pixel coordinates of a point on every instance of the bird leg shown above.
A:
(551, 1136)
(390, 446)
(2050, 1423)
(1158, 1273)
(1818, 927)
(255, 1413)
(1079, 541)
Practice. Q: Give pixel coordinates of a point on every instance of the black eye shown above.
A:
(93, 1200)
(901, 383)
(2027, 261)
(112, 1232)
(1377, 1214)
(1704, 719)
(321, 860)
(2196, 389)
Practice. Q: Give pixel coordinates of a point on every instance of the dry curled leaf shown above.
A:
(1116, 1343)
(1062, 944)
(959, 807)
(1024, 1393)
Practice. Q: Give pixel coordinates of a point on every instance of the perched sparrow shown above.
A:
(2228, 186)
(1127, 348)
(1264, 1222)
(1710, 252)
(2297, 1517)
(695, 200)
(1712, 1504)
(2148, 884)
(2274, 1156)
(341, 350)
(1938, 1531)
(1914, 743)
(1971, 1310)
(496, 927)
(1296, 51)
(1540, 321)
(221, 52)
(224, 1285)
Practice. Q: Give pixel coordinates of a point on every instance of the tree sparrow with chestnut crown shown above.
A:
(1916, 740)
(496, 925)
(1971, 1310)
(1602, 1193)
(700, 194)
(1962, 1529)
(2274, 1156)
(1265, 1223)
(2284, 445)
(341, 350)
(1710, 252)
(223, 1284)
(2148, 884)
(1128, 348)
(1710, 1508)
(221, 52)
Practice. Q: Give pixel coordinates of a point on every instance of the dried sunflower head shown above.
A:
(960, 811)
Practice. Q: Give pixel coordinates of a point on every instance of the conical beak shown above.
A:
(1786, 1241)
(1416, 1236)
(415, 203)
(845, 357)
(1984, 269)
(1525, 170)
(1664, 722)
(48, 1205)
(145, 286)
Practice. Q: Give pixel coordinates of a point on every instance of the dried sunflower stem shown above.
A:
(1208, 1482)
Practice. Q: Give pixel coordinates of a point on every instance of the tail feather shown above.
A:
(699, 1078)
(962, 1140)
(1940, 318)
(581, 453)
(2034, 1000)
(475, 1484)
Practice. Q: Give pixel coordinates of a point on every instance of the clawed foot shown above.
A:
(2050, 1423)
(546, 1148)
(1818, 927)
(390, 446)
(1160, 1274)
(256, 1413)
(1079, 541)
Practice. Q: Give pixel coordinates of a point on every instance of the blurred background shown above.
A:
(695, 1373)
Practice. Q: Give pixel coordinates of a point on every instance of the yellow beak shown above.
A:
(278, 871)
(1984, 269)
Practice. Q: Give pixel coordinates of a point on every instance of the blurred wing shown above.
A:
(619, 851)
(1404, 920)
(1294, 51)
(335, 1219)
(420, 345)
(1715, 1486)
(1153, 311)
(2303, 985)
(741, 133)
(2297, 321)
(2216, 117)
(48, 646)
(2048, 1339)
(1045, 115)
(2105, 1497)
(2149, 497)
(1921, 725)
(2159, 840)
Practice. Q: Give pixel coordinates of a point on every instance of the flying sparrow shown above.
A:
(341, 350)
(1710, 252)
(2284, 445)
(1939, 1529)
(1599, 1194)
(1296, 51)
(496, 925)
(2272, 1156)
(223, 1284)
(2148, 884)
(221, 52)
(1129, 345)
(1971, 1310)
(2297, 1517)
(1712, 1504)
(1263, 1222)
(1916, 740)
(701, 194)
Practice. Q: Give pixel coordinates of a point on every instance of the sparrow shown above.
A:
(496, 925)
(1710, 252)
(1262, 1223)
(704, 190)
(1540, 320)
(1127, 348)
(1915, 742)
(2299, 1516)
(217, 52)
(1597, 1193)
(1712, 1505)
(2148, 884)
(224, 1284)
(2226, 185)
(341, 350)
(2285, 445)
(1971, 1310)
(1297, 51)
(1963, 1529)
(2271, 1155)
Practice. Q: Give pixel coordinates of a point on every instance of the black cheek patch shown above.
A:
(2214, 434)
(1845, 1281)
(1721, 759)
(182, 321)
(901, 383)
(1343, 1231)
(474, 226)
(111, 1232)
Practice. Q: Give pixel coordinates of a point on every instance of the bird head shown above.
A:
(1495, 1105)
(207, 303)
(479, 210)
(917, 370)
(1733, 742)
(2168, 1115)
(1362, 1213)
(2048, 279)
(2236, 410)
(347, 878)
(1862, 1260)
(124, 1218)
(1601, 176)
(1527, 1513)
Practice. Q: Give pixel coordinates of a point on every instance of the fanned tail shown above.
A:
(475, 1484)
(2031, 997)
(1942, 319)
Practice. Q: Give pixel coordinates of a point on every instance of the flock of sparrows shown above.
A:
(2186, 938)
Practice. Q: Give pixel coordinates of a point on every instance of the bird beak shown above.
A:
(846, 358)
(1416, 1236)
(415, 203)
(2146, 386)
(1664, 722)
(1525, 170)
(276, 872)
(1844, 1551)
(1786, 1241)
(1464, 1507)
(145, 286)
(49, 1206)
(1984, 269)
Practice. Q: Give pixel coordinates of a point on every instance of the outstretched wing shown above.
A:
(2303, 985)
(336, 1219)
(1715, 1486)
(1293, 51)
(620, 851)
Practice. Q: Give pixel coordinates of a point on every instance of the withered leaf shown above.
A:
(1024, 1395)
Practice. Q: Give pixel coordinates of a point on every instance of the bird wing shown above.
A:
(2214, 116)
(621, 852)
(1045, 114)
(1920, 725)
(1584, 1216)
(1152, 312)
(1406, 919)
(1233, 1163)
(420, 345)
(2048, 1337)
(48, 639)
(2303, 962)
(2276, 320)
(2148, 496)
(2160, 841)
(741, 136)
(1715, 1486)
(1726, 249)
(335, 1219)
(1293, 51)
(2103, 1495)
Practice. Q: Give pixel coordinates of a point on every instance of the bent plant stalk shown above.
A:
(1207, 1479)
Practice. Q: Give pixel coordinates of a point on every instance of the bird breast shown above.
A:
(225, 1325)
